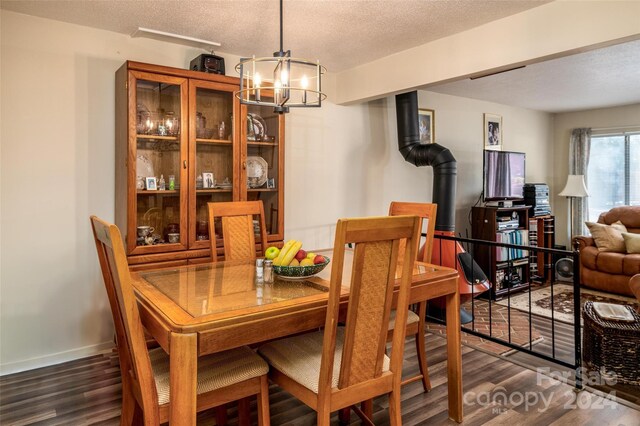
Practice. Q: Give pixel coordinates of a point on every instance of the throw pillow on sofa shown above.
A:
(632, 242)
(608, 237)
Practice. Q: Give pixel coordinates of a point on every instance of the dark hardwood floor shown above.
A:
(87, 392)
(564, 350)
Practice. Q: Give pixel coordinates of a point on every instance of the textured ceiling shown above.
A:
(596, 79)
(346, 33)
(341, 33)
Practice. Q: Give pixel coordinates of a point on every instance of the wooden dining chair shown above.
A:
(222, 377)
(341, 366)
(416, 322)
(239, 240)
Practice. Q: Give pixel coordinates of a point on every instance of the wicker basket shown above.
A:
(612, 346)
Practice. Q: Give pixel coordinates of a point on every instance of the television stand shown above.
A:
(507, 268)
(499, 204)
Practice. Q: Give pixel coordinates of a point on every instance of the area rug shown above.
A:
(499, 328)
(562, 301)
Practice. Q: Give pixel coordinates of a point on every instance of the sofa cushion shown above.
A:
(611, 263)
(610, 283)
(631, 242)
(588, 257)
(635, 286)
(631, 264)
(608, 237)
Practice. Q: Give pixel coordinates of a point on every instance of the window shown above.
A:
(613, 175)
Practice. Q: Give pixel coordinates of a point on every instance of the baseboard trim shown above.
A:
(53, 359)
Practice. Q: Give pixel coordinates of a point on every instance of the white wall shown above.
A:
(57, 145)
(349, 163)
(57, 154)
(459, 126)
(616, 117)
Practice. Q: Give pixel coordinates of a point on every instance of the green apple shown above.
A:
(311, 256)
(271, 252)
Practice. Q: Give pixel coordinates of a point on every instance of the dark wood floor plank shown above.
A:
(87, 392)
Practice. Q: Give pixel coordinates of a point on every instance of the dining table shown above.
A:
(199, 309)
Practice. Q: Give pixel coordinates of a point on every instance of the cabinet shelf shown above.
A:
(253, 143)
(158, 192)
(212, 190)
(513, 262)
(262, 189)
(214, 141)
(516, 288)
(158, 138)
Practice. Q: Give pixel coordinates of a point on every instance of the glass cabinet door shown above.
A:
(213, 154)
(263, 132)
(159, 223)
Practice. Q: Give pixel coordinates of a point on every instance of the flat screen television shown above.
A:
(503, 175)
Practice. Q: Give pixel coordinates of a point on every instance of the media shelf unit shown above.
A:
(541, 234)
(502, 265)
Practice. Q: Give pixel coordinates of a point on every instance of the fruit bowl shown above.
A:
(300, 271)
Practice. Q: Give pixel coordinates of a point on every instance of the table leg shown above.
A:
(183, 371)
(454, 357)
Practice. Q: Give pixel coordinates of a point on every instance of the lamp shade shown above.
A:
(575, 187)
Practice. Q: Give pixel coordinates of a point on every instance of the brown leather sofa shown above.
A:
(607, 271)
(635, 288)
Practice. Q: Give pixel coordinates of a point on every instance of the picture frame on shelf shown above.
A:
(271, 183)
(492, 132)
(151, 183)
(426, 125)
(208, 180)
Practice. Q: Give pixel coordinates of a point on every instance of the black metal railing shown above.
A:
(502, 261)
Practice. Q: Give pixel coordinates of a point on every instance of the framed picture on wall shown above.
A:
(426, 125)
(493, 132)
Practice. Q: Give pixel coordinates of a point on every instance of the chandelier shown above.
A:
(280, 81)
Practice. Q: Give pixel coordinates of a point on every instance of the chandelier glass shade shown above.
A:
(280, 81)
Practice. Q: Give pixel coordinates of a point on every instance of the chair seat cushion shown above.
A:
(215, 371)
(299, 358)
(412, 317)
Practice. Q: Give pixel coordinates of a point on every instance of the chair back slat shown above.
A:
(424, 211)
(370, 297)
(132, 349)
(238, 233)
(239, 238)
(368, 312)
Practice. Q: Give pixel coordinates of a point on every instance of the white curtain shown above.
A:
(579, 147)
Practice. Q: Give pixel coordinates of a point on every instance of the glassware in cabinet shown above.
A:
(155, 219)
(158, 154)
(214, 154)
(263, 133)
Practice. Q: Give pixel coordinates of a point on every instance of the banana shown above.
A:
(286, 260)
(278, 260)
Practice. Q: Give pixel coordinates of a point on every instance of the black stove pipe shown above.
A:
(440, 158)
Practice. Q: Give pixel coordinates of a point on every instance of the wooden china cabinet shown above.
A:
(189, 129)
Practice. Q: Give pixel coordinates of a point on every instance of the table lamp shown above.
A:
(575, 188)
